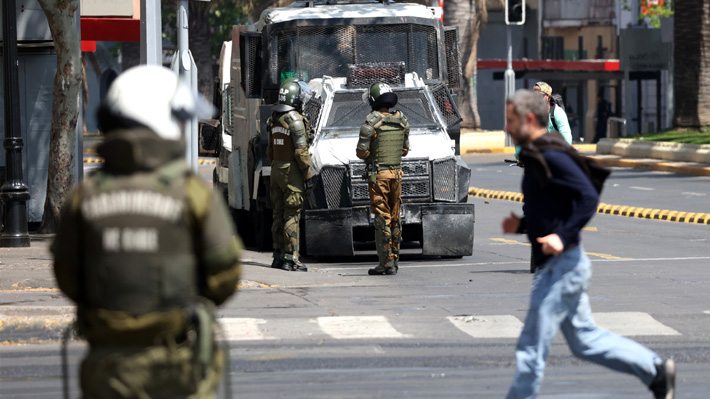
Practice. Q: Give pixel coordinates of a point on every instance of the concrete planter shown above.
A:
(677, 152)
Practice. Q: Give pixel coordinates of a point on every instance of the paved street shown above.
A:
(440, 328)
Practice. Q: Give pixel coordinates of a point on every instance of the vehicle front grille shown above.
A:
(416, 182)
(335, 186)
(444, 178)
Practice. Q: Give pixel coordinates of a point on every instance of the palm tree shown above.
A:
(691, 78)
(65, 107)
(471, 17)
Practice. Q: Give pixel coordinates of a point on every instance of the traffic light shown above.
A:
(514, 12)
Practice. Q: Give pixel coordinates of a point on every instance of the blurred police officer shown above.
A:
(384, 140)
(287, 151)
(146, 250)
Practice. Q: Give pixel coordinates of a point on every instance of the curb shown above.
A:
(654, 166)
(199, 161)
(607, 209)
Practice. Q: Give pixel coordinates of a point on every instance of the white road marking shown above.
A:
(490, 326)
(357, 327)
(242, 329)
(707, 312)
(641, 188)
(694, 194)
(632, 323)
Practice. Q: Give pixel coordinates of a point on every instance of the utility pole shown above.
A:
(14, 193)
(151, 37)
(514, 15)
(184, 65)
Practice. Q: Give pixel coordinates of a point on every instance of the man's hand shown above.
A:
(511, 224)
(551, 244)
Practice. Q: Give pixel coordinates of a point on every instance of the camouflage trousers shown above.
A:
(386, 203)
(287, 188)
(152, 372)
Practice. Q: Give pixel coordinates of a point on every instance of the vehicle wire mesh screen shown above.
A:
(312, 111)
(310, 52)
(453, 57)
(349, 110)
(335, 186)
(364, 75)
(444, 101)
(251, 71)
(444, 180)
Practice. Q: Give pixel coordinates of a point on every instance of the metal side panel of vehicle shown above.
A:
(448, 229)
(329, 232)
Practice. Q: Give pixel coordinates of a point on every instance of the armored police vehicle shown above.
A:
(340, 48)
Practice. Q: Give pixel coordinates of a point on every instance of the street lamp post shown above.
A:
(514, 15)
(14, 193)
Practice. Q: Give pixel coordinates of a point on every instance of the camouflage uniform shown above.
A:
(287, 151)
(384, 140)
(146, 251)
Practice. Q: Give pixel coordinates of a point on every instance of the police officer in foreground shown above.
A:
(287, 151)
(146, 250)
(384, 140)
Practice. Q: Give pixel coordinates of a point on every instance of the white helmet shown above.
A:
(155, 97)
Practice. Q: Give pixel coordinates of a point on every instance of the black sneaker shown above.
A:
(378, 271)
(300, 267)
(663, 386)
(288, 265)
(277, 263)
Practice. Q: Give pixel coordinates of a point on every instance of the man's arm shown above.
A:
(66, 248)
(269, 145)
(300, 142)
(367, 134)
(405, 146)
(218, 246)
(563, 124)
(569, 175)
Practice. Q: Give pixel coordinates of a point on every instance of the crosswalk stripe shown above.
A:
(242, 329)
(357, 327)
(490, 326)
(632, 324)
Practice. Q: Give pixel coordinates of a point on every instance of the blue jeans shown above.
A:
(559, 300)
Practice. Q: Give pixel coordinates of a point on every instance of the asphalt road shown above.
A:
(447, 328)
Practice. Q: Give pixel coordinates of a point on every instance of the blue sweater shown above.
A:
(561, 205)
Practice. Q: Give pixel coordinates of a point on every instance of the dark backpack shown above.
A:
(532, 155)
(555, 101)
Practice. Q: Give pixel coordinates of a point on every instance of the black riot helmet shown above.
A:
(380, 95)
(293, 94)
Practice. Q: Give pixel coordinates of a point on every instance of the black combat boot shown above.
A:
(300, 267)
(378, 271)
(391, 268)
(663, 386)
(277, 263)
(288, 265)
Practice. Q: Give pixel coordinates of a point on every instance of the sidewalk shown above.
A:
(494, 142)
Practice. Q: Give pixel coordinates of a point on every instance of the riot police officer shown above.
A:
(287, 151)
(384, 140)
(146, 250)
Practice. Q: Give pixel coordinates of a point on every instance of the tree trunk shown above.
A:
(471, 17)
(199, 42)
(692, 63)
(65, 107)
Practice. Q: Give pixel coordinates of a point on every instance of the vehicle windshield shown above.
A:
(348, 112)
(311, 52)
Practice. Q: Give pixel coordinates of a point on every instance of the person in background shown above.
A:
(603, 114)
(560, 198)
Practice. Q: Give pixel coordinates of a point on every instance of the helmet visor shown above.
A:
(306, 92)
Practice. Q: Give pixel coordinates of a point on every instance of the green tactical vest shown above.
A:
(387, 147)
(137, 251)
